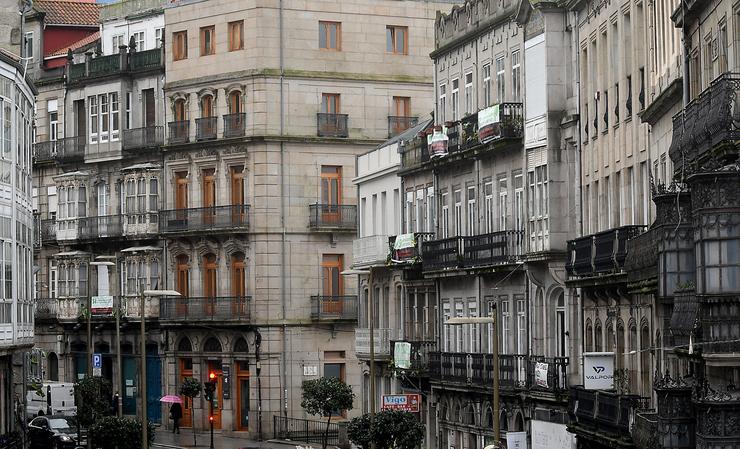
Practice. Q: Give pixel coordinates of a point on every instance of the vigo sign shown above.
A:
(406, 402)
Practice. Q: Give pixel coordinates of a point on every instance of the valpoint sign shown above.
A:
(598, 370)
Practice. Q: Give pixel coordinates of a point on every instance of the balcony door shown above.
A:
(238, 284)
(401, 110)
(182, 283)
(235, 102)
(238, 211)
(330, 107)
(148, 106)
(186, 370)
(333, 287)
(181, 199)
(80, 116)
(209, 283)
(208, 180)
(331, 193)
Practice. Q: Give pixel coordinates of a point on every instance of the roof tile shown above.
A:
(66, 12)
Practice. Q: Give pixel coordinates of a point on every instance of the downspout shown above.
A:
(686, 57)
(579, 177)
(283, 295)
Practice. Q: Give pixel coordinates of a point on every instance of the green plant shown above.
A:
(191, 388)
(391, 429)
(92, 397)
(325, 397)
(119, 433)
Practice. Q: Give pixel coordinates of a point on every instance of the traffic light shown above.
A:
(210, 386)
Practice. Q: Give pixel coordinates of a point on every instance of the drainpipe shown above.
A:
(283, 295)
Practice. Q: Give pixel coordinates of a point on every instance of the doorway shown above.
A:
(242, 395)
(186, 370)
(209, 283)
(331, 193)
(214, 366)
(333, 287)
(209, 195)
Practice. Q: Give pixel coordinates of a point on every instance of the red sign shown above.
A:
(406, 402)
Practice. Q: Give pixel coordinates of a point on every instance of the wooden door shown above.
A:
(80, 116)
(149, 108)
(186, 370)
(242, 395)
(330, 106)
(402, 110)
(331, 193)
(209, 195)
(218, 395)
(234, 102)
(209, 283)
(333, 286)
(181, 197)
(182, 284)
(238, 285)
(180, 110)
(238, 211)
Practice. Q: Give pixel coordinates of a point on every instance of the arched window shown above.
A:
(184, 345)
(620, 345)
(632, 357)
(209, 275)
(212, 345)
(503, 421)
(180, 110)
(53, 366)
(241, 346)
(645, 368)
(598, 337)
(560, 327)
(518, 423)
(609, 329)
(238, 276)
(589, 336)
(235, 102)
(206, 106)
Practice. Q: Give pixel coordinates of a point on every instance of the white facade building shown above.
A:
(117, 29)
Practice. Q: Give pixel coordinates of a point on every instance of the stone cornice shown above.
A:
(663, 102)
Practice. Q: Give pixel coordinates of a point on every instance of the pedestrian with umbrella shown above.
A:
(175, 410)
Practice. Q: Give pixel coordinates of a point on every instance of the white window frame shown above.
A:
(28, 45)
(516, 72)
(118, 41)
(455, 99)
(104, 118)
(140, 43)
(500, 78)
(158, 33)
(503, 200)
(473, 329)
(488, 206)
(409, 212)
(430, 209)
(472, 216)
(486, 85)
(457, 198)
(129, 102)
(503, 304)
(442, 102)
(115, 116)
(469, 103)
(420, 210)
(445, 225)
(93, 118)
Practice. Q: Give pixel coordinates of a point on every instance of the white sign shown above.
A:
(102, 305)
(598, 370)
(437, 144)
(489, 126)
(547, 435)
(516, 440)
(310, 370)
(402, 355)
(540, 374)
(97, 372)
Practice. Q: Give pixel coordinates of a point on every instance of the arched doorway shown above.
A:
(213, 346)
(241, 350)
(52, 366)
(209, 283)
(153, 383)
(79, 354)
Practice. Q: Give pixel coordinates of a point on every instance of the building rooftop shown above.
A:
(66, 12)
(84, 42)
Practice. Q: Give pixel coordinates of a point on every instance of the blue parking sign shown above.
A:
(97, 361)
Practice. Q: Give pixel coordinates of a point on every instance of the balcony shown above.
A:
(717, 418)
(133, 61)
(55, 309)
(45, 309)
(708, 128)
(604, 411)
(645, 430)
(48, 230)
(44, 151)
(220, 308)
(235, 125)
(331, 125)
(442, 254)
(516, 371)
(370, 251)
(131, 307)
(478, 251)
(641, 262)
(601, 253)
(70, 149)
(143, 224)
(332, 217)
(398, 124)
(406, 249)
(233, 218)
(143, 138)
(179, 131)
(104, 65)
(470, 133)
(93, 228)
(415, 152)
(205, 128)
(383, 339)
(334, 308)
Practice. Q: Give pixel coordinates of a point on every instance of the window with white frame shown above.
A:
(503, 200)
(420, 210)
(457, 198)
(72, 282)
(92, 103)
(539, 226)
(71, 205)
(6, 284)
(141, 201)
(141, 272)
(473, 328)
(104, 117)
(472, 216)
(129, 102)
(430, 209)
(608, 203)
(29, 45)
(500, 77)
(503, 303)
(158, 37)
(488, 205)
(518, 201)
(119, 40)
(442, 102)
(455, 98)
(469, 92)
(521, 324)
(114, 116)
(409, 212)
(446, 315)
(516, 74)
(139, 40)
(52, 107)
(459, 332)
(445, 208)
(486, 75)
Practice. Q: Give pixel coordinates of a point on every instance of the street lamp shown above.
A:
(492, 321)
(97, 263)
(147, 294)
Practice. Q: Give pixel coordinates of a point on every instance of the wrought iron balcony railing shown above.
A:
(104, 65)
(48, 230)
(600, 253)
(70, 149)
(179, 131)
(415, 152)
(45, 151)
(205, 128)
(143, 138)
(398, 124)
(333, 308)
(332, 217)
(442, 254)
(91, 228)
(641, 261)
(411, 253)
(219, 308)
(707, 124)
(604, 411)
(331, 125)
(111, 64)
(216, 218)
(495, 248)
(145, 60)
(235, 125)
(45, 308)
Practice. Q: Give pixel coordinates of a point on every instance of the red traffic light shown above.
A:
(212, 376)
(210, 418)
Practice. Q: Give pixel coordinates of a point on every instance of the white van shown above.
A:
(60, 396)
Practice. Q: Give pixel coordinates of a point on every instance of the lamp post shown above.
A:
(142, 384)
(487, 320)
(117, 311)
(96, 263)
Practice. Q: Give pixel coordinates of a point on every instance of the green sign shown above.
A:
(402, 355)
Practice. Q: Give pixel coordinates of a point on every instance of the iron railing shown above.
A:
(235, 125)
(333, 307)
(144, 60)
(398, 124)
(415, 152)
(70, 149)
(179, 131)
(44, 151)
(600, 253)
(382, 339)
(331, 125)
(442, 254)
(220, 218)
(605, 411)
(104, 65)
(464, 134)
(111, 64)
(332, 216)
(641, 261)
(89, 228)
(304, 430)
(205, 128)
(143, 138)
(495, 248)
(48, 230)
(219, 308)
(45, 308)
(410, 255)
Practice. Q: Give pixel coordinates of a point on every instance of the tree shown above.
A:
(325, 397)
(191, 388)
(120, 433)
(93, 399)
(391, 429)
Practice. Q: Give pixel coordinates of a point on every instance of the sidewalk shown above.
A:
(165, 439)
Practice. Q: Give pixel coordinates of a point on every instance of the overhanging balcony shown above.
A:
(398, 124)
(234, 218)
(48, 230)
(205, 128)
(406, 249)
(382, 341)
(143, 138)
(92, 228)
(44, 151)
(179, 131)
(56, 309)
(331, 125)
(601, 253)
(332, 217)
(370, 251)
(604, 411)
(333, 308)
(235, 125)
(70, 149)
(415, 152)
(219, 308)
(478, 251)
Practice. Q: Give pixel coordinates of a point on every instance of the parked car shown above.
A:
(52, 432)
